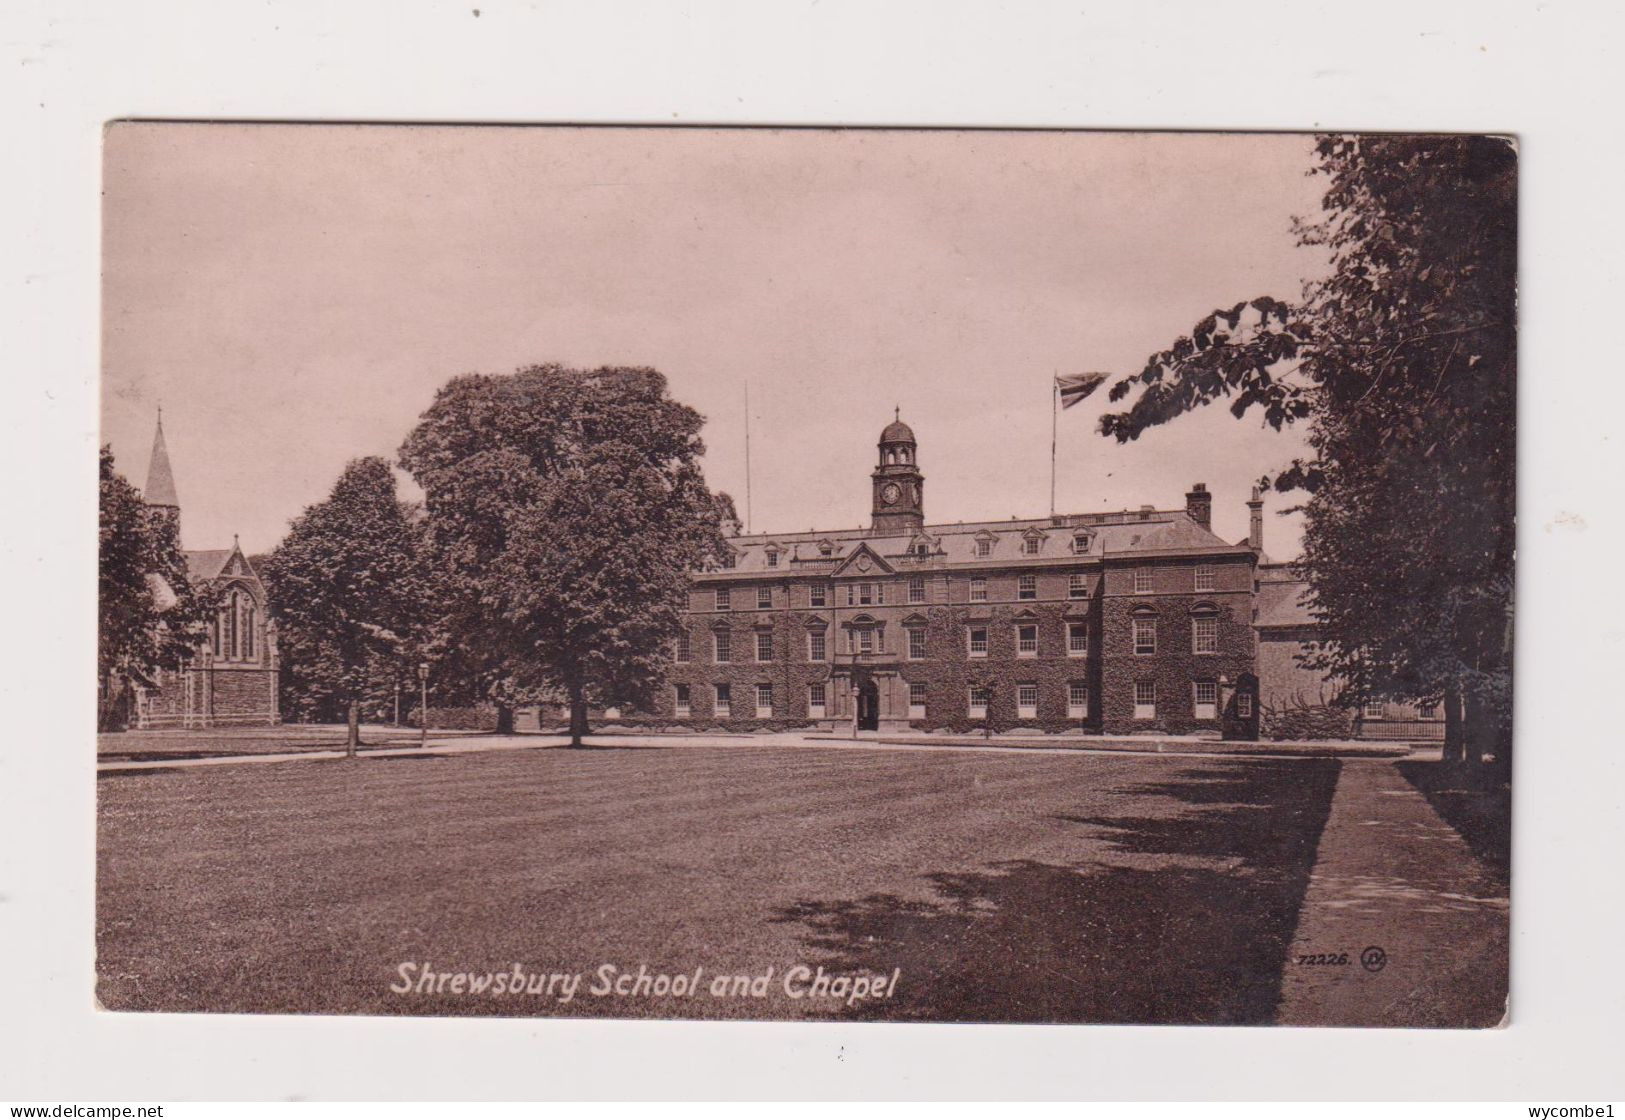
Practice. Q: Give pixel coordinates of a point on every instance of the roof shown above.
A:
(1282, 598)
(160, 490)
(211, 563)
(206, 563)
(954, 545)
(897, 432)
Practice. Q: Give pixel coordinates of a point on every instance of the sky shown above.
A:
(292, 296)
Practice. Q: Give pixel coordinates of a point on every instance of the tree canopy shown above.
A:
(1402, 361)
(349, 591)
(566, 509)
(151, 616)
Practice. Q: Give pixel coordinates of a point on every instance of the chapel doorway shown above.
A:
(868, 706)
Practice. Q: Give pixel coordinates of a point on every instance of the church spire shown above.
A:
(160, 489)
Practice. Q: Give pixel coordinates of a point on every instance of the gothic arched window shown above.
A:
(248, 631)
(231, 627)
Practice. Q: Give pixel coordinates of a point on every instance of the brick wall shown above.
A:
(1174, 669)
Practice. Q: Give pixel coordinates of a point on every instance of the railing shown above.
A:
(1402, 730)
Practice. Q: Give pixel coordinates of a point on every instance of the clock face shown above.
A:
(890, 493)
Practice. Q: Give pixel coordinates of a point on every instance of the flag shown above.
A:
(1073, 387)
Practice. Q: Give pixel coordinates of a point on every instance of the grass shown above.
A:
(1478, 807)
(1000, 887)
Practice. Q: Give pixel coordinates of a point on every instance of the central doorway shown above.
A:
(868, 706)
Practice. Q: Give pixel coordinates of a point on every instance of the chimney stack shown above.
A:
(1199, 505)
(1255, 521)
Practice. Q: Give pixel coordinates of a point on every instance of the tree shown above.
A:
(1403, 363)
(568, 509)
(348, 591)
(150, 616)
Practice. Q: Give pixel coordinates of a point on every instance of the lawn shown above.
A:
(991, 886)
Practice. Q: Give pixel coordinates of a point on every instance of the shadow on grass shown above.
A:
(1183, 918)
(1481, 814)
(144, 772)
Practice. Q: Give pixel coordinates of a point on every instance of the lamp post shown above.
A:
(423, 705)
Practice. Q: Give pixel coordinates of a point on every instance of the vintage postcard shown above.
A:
(833, 574)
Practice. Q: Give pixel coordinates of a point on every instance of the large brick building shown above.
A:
(231, 679)
(1119, 622)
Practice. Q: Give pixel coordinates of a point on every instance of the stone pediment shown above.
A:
(864, 561)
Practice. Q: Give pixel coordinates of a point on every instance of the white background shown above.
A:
(1547, 72)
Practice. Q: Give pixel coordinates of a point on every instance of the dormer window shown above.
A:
(772, 558)
(729, 559)
(826, 550)
(984, 547)
(1080, 543)
(1031, 545)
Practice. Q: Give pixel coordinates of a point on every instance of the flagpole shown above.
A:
(1054, 424)
(747, 457)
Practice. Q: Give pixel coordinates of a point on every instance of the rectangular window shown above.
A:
(764, 701)
(1373, 709)
(1426, 711)
(764, 598)
(916, 701)
(866, 594)
(724, 598)
(916, 643)
(685, 647)
(1080, 543)
(978, 641)
(851, 595)
(1027, 588)
(1077, 639)
(764, 647)
(1027, 640)
(1077, 700)
(866, 640)
(725, 702)
(1204, 577)
(772, 559)
(916, 589)
(1142, 581)
(815, 700)
(984, 548)
(815, 645)
(1244, 705)
(1207, 700)
(682, 706)
(978, 590)
(1031, 546)
(978, 702)
(1077, 586)
(724, 645)
(1145, 635)
(1205, 634)
(1027, 701)
(816, 596)
(1145, 700)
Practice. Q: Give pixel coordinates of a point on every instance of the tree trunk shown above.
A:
(352, 736)
(504, 719)
(1454, 752)
(578, 715)
(1472, 733)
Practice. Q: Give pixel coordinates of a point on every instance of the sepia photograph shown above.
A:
(832, 574)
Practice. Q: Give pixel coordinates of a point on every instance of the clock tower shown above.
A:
(899, 486)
